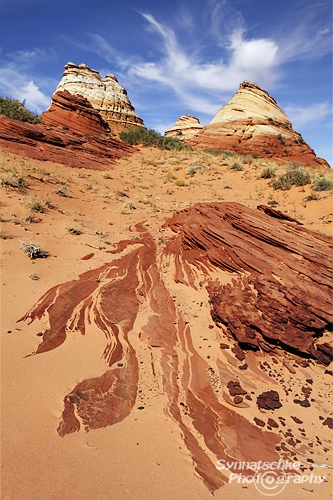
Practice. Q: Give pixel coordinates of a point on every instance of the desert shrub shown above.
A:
(281, 183)
(312, 196)
(299, 177)
(149, 137)
(33, 250)
(130, 205)
(322, 184)
(193, 168)
(106, 174)
(73, 229)
(268, 173)
(62, 191)
(35, 204)
(17, 110)
(281, 139)
(14, 180)
(293, 177)
(180, 182)
(236, 166)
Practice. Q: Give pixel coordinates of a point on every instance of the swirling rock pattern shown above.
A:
(267, 281)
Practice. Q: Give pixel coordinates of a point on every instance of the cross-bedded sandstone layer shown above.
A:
(63, 145)
(75, 113)
(268, 284)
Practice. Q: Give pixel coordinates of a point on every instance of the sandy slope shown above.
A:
(144, 455)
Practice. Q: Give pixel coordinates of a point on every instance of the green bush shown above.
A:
(322, 184)
(297, 177)
(140, 135)
(268, 173)
(236, 166)
(193, 168)
(17, 110)
(180, 182)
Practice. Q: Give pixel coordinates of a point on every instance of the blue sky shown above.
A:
(177, 56)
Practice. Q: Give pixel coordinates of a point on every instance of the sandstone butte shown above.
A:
(269, 288)
(105, 95)
(252, 123)
(185, 128)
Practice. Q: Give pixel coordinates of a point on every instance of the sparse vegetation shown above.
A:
(236, 166)
(17, 110)
(180, 183)
(322, 184)
(312, 196)
(13, 179)
(62, 191)
(130, 205)
(149, 137)
(293, 177)
(33, 250)
(193, 168)
(35, 204)
(106, 174)
(72, 229)
(283, 142)
(268, 172)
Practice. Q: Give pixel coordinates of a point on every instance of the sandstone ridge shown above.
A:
(105, 95)
(252, 123)
(62, 145)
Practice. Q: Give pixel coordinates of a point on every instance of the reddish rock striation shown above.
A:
(185, 128)
(281, 294)
(74, 113)
(131, 300)
(252, 123)
(45, 142)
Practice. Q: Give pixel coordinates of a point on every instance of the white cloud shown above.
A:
(187, 74)
(178, 59)
(300, 116)
(17, 82)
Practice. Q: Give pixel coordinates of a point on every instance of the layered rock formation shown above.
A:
(75, 113)
(185, 128)
(105, 95)
(252, 123)
(268, 283)
(62, 145)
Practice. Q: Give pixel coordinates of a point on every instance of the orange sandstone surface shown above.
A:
(166, 330)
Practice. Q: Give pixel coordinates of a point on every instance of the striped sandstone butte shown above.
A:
(105, 95)
(252, 123)
(185, 128)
